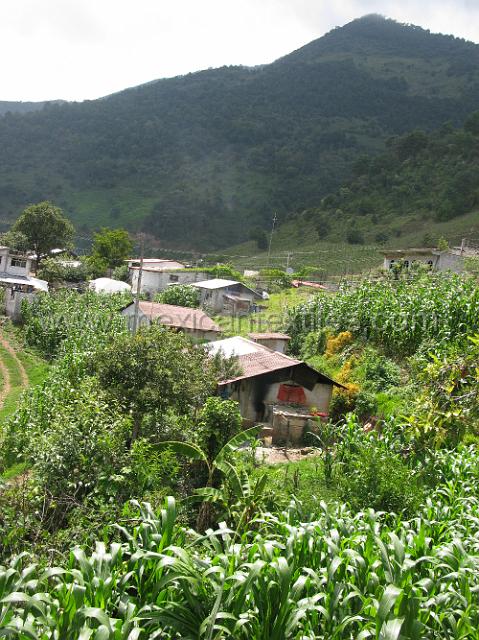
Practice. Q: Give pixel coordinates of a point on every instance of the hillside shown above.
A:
(8, 106)
(215, 152)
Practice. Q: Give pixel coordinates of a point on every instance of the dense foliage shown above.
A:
(339, 575)
(203, 159)
(399, 315)
(87, 434)
(420, 177)
(45, 228)
(182, 295)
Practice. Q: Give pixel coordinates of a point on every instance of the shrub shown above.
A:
(377, 372)
(335, 344)
(378, 480)
(219, 421)
(182, 295)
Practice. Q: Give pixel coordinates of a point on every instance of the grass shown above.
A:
(269, 319)
(303, 479)
(35, 368)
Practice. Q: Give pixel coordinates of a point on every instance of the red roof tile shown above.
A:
(178, 317)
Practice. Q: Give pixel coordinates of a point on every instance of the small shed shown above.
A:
(269, 383)
(227, 296)
(273, 340)
(194, 322)
(17, 289)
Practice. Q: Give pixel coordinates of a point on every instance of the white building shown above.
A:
(156, 263)
(157, 275)
(437, 260)
(17, 282)
(12, 263)
(227, 296)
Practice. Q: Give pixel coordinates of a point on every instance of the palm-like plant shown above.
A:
(237, 483)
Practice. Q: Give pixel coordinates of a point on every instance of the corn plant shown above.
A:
(338, 576)
(397, 315)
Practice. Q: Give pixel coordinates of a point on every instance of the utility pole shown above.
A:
(275, 219)
(288, 258)
(138, 284)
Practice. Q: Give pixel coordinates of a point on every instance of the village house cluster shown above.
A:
(17, 282)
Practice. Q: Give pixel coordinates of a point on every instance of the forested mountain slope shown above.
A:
(425, 182)
(8, 106)
(215, 152)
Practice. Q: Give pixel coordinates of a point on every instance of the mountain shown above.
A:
(8, 106)
(203, 159)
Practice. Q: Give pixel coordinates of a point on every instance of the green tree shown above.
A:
(45, 228)
(111, 247)
(182, 295)
(153, 372)
(472, 123)
(14, 240)
(259, 236)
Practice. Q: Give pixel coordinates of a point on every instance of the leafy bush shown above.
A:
(219, 420)
(378, 480)
(182, 295)
(377, 372)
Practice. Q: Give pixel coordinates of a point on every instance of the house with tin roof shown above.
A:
(193, 322)
(272, 388)
(227, 296)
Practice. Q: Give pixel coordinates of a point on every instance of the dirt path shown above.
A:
(7, 386)
(278, 455)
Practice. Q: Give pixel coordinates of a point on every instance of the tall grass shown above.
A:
(398, 315)
(340, 576)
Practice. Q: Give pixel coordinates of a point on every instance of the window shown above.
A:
(18, 262)
(406, 264)
(391, 264)
(174, 278)
(429, 262)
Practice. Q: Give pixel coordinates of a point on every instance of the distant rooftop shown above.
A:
(269, 336)
(178, 317)
(215, 283)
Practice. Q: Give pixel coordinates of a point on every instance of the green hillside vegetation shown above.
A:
(216, 152)
(173, 529)
(421, 181)
(423, 187)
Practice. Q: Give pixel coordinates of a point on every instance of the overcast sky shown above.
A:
(83, 49)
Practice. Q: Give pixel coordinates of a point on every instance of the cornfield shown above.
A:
(399, 315)
(341, 576)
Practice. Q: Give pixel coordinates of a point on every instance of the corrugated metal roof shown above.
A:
(36, 283)
(269, 336)
(179, 317)
(236, 346)
(255, 360)
(215, 283)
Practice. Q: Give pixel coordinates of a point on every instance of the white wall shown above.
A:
(13, 302)
(319, 397)
(153, 282)
(7, 267)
